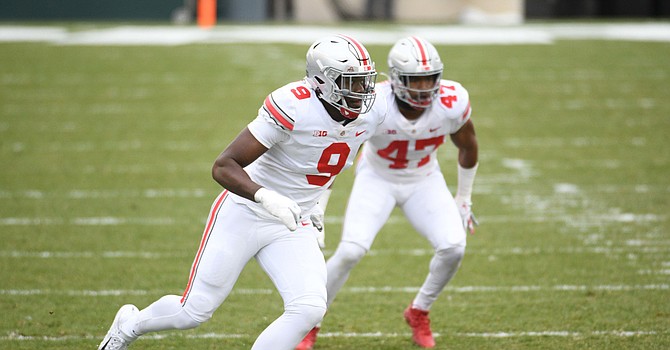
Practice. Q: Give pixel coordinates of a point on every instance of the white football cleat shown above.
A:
(113, 340)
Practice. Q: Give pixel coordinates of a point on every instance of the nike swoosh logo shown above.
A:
(431, 130)
(359, 133)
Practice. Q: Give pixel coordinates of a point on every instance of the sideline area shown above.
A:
(545, 33)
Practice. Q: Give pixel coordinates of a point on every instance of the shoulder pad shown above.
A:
(281, 105)
(454, 100)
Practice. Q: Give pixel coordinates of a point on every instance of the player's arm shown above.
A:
(228, 169)
(466, 142)
(468, 155)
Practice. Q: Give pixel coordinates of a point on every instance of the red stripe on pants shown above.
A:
(205, 237)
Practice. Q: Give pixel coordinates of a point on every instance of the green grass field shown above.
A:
(105, 185)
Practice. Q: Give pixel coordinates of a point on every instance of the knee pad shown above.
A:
(165, 313)
(450, 257)
(199, 308)
(349, 254)
(185, 321)
(310, 309)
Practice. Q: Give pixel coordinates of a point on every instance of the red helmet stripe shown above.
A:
(421, 49)
(359, 48)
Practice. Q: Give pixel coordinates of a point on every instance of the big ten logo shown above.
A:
(320, 133)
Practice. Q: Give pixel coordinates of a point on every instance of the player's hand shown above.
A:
(467, 216)
(317, 217)
(284, 208)
(317, 221)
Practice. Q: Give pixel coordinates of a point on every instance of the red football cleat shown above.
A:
(308, 342)
(420, 323)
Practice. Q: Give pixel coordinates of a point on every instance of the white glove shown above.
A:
(284, 208)
(317, 221)
(318, 217)
(467, 216)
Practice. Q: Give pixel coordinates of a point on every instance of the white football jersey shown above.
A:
(404, 151)
(306, 147)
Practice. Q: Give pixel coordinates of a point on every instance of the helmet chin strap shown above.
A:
(345, 116)
(348, 114)
(344, 111)
(404, 105)
(419, 103)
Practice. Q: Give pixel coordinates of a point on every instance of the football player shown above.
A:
(273, 173)
(399, 167)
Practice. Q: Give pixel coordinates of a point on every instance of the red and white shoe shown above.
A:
(420, 323)
(308, 342)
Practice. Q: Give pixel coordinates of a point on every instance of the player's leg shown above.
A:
(431, 210)
(433, 213)
(370, 204)
(295, 264)
(226, 246)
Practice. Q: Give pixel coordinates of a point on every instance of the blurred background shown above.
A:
(108, 132)
(320, 11)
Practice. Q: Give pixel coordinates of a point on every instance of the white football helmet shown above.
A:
(414, 57)
(342, 73)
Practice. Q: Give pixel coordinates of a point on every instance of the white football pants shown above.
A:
(233, 235)
(429, 207)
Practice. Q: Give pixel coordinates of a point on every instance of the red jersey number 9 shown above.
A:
(301, 92)
(337, 150)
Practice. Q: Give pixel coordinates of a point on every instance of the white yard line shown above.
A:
(87, 221)
(486, 186)
(356, 290)
(378, 334)
(592, 219)
(649, 247)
